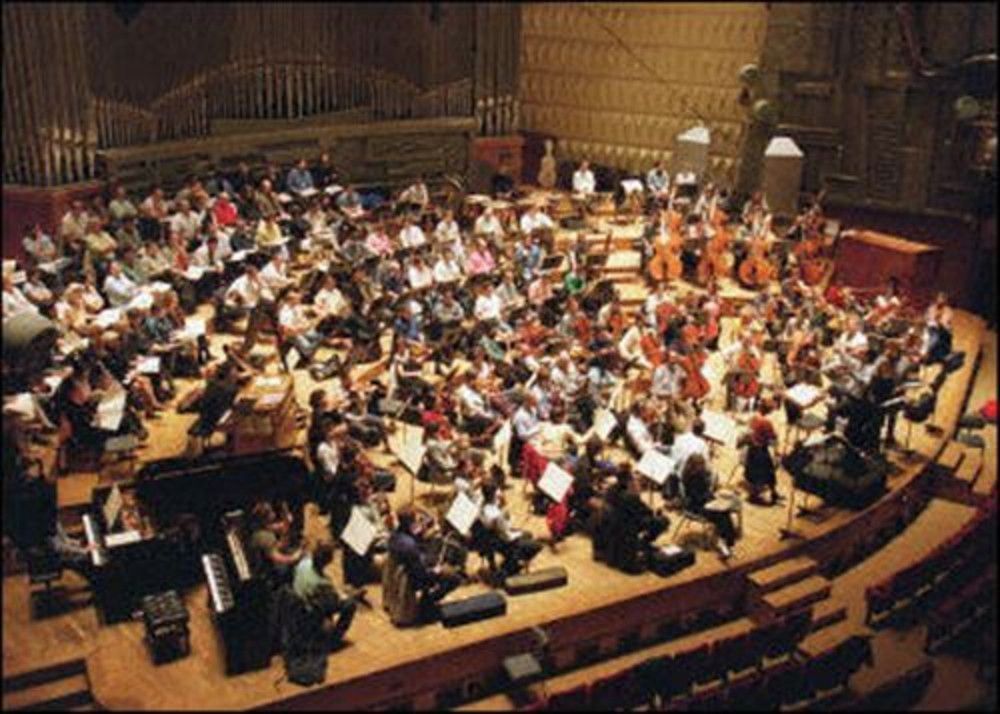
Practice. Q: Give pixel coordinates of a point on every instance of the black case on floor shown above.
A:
(670, 560)
(473, 609)
(554, 577)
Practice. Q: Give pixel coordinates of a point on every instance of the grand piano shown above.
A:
(181, 501)
(837, 472)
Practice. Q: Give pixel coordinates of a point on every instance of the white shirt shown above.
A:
(250, 291)
(472, 402)
(201, 258)
(447, 230)
(120, 290)
(274, 278)
(293, 317)
(534, 220)
(412, 236)
(328, 456)
(629, 347)
(583, 181)
(666, 381)
(447, 271)
(186, 224)
(331, 302)
(419, 276)
(41, 247)
(493, 518)
(487, 307)
(526, 423)
(15, 303)
(489, 224)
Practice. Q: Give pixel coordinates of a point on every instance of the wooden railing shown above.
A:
(250, 89)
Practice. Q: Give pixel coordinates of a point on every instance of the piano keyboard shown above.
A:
(239, 555)
(220, 593)
(98, 556)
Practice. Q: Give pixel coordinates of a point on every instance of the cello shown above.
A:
(756, 271)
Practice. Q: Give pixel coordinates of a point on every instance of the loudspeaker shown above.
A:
(473, 609)
(782, 179)
(522, 668)
(554, 577)
(671, 559)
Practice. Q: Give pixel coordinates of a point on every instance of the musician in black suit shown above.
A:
(632, 526)
(433, 583)
(698, 483)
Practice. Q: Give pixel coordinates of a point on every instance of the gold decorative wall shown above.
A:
(578, 83)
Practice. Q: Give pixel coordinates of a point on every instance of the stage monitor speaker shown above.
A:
(522, 669)
(473, 609)
(554, 577)
(782, 180)
(671, 559)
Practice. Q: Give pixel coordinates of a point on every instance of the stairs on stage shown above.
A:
(59, 687)
(789, 586)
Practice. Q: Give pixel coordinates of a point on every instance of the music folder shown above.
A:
(112, 507)
(656, 466)
(359, 533)
(604, 423)
(462, 514)
(719, 427)
(555, 482)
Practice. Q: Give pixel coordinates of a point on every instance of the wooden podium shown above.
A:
(263, 416)
(867, 259)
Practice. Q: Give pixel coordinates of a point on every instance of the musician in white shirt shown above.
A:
(489, 223)
(667, 380)
(487, 306)
(209, 255)
(583, 180)
(418, 274)
(275, 274)
(638, 431)
(412, 235)
(329, 301)
(296, 328)
(186, 221)
(689, 443)
(630, 345)
(535, 218)
(117, 286)
(14, 301)
(446, 268)
(658, 180)
(416, 193)
(517, 547)
(447, 229)
(248, 290)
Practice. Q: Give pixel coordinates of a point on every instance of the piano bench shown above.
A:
(166, 619)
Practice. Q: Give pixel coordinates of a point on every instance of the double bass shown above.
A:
(666, 261)
(716, 260)
(745, 384)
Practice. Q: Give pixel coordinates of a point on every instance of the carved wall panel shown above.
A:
(624, 108)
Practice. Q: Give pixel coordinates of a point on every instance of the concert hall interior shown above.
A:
(499, 356)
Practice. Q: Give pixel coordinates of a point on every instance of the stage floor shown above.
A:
(123, 676)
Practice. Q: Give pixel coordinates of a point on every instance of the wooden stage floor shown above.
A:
(123, 676)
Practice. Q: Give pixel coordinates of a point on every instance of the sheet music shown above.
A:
(804, 394)
(631, 186)
(462, 514)
(307, 192)
(555, 482)
(359, 533)
(604, 423)
(148, 365)
(285, 197)
(270, 382)
(335, 188)
(113, 540)
(21, 404)
(655, 466)
(719, 427)
(110, 411)
(107, 318)
(292, 359)
(112, 507)
(142, 301)
(20, 277)
(238, 256)
(406, 444)
(194, 273)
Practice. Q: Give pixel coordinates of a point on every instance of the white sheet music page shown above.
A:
(719, 427)
(462, 514)
(555, 482)
(604, 423)
(655, 466)
(110, 411)
(359, 533)
(112, 507)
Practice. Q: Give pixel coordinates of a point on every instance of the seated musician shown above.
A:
(517, 547)
(658, 180)
(418, 274)
(488, 224)
(224, 211)
(528, 256)
(38, 292)
(447, 268)
(324, 173)
(637, 428)
(480, 260)
(432, 582)
(630, 346)
(760, 473)
(361, 570)
(273, 556)
(220, 392)
(14, 301)
(938, 335)
(265, 199)
(416, 194)
(628, 527)
(535, 219)
(186, 221)
(268, 233)
(477, 414)
(349, 202)
(447, 231)
(589, 474)
(698, 487)
(583, 180)
(851, 347)
(296, 328)
(39, 245)
(411, 235)
(100, 246)
(315, 589)
(690, 443)
(442, 454)
(299, 178)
